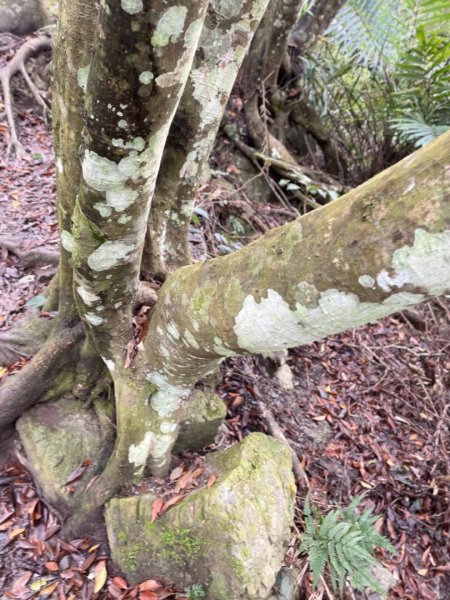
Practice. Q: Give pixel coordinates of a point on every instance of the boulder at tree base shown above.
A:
(231, 538)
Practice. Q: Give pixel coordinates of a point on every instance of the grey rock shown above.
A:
(200, 425)
(57, 437)
(230, 538)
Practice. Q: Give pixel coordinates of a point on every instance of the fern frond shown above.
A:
(342, 546)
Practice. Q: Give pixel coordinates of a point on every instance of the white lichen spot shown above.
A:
(121, 199)
(138, 143)
(122, 124)
(103, 209)
(93, 319)
(100, 173)
(425, 264)
(173, 332)
(123, 219)
(59, 165)
(193, 33)
(67, 241)
(170, 26)
(190, 339)
(138, 454)
(82, 77)
(221, 349)
(118, 304)
(110, 364)
(146, 77)
(167, 427)
(132, 7)
(109, 255)
(366, 281)
(87, 296)
(272, 325)
(168, 397)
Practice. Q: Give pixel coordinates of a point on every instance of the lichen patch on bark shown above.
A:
(425, 264)
(132, 7)
(170, 26)
(110, 255)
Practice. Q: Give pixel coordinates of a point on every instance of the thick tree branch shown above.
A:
(380, 248)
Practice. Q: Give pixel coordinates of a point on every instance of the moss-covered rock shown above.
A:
(230, 538)
(57, 437)
(206, 412)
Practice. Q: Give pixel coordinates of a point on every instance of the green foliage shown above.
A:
(195, 592)
(342, 544)
(422, 99)
(381, 79)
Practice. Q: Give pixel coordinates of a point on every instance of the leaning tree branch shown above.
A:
(16, 65)
(379, 249)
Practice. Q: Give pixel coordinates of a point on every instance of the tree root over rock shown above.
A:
(24, 339)
(17, 65)
(21, 391)
(29, 258)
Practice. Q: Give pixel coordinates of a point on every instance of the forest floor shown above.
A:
(368, 412)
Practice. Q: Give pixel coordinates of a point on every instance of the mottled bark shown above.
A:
(378, 249)
(71, 59)
(226, 36)
(144, 50)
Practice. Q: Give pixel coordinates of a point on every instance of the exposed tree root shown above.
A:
(16, 65)
(29, 258)
(23, 390)
(24, 339)
(275, 431)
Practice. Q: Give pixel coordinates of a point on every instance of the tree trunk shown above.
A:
(269, 106)
(224, 41)
(380, 248)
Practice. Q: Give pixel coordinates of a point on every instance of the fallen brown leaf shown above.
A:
(156, 508)
(100, 575)
(150, 585)
(172, 501)
(211, 480)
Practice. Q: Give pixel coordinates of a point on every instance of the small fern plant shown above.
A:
(195, 592)
(341, 545)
